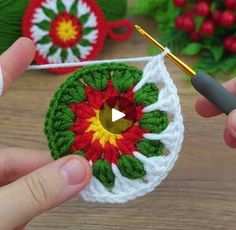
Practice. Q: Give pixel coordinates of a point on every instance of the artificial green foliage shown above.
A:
(212, 57)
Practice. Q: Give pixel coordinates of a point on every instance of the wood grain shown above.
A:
(198, 194)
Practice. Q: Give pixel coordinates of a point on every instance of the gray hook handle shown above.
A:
(214, 92)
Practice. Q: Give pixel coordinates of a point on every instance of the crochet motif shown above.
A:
(68, 30)
(126, 164)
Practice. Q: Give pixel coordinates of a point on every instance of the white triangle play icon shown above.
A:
(116, 115)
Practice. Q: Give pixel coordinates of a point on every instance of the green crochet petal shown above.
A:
(131, 167)
(64, 118)
(155, 121)
(147, 95)
(150, 148)
(97, 80)
(102, 170)
(124, 81)
(74, 93)
(60, 6)
(73, 9)
(63, 143)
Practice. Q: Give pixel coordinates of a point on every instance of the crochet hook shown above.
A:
(201, 81)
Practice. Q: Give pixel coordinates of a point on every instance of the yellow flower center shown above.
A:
(66, 31)
(100, 133)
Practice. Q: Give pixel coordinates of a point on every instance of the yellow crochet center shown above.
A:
(66, 30)
(100, 133)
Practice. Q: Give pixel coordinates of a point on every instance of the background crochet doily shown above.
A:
(126, 165)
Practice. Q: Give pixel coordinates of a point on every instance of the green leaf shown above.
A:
(192, 49)
(60, 6)
(84, 18)
(217, 52)
(64, 55)
(198, 22)
(87, 30)
(49, 13)
(52, 50)
(150, 148)
(103, 172)
(44, 25)
(76, 52)
(73, 9)
(147, 95)
(131, 167)
(45, 40)
(84, 42)
(213, 6)
(155, 121)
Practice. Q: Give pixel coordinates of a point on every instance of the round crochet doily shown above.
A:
(65, 31)
(133, 159)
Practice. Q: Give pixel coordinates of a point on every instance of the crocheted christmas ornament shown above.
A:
(133, 158)
(69, 30)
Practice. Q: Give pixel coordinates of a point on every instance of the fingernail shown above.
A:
(73, 171)
(1, 82)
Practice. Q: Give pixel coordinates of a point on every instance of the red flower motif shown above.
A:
(93, 138)
(65, 30)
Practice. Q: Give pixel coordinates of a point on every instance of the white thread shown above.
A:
(85, 63)
(157, 168)
(1, 82)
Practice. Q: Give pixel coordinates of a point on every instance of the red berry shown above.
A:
(216, 16)
(227, 18)
(207, 28)
(188, 24)
(185, 23)
(203, 9)
(195, 36)
(179, 3)
(227, 42)
(230, 4)
(179, 22)
(233, 46)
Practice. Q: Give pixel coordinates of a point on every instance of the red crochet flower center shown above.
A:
(65, 30)
(125, 143)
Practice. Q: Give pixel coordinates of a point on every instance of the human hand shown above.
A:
(207, 109)
(30, 182)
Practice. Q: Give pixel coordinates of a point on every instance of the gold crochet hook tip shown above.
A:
(187, 69)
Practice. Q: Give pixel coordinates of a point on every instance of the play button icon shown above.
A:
(116, 115)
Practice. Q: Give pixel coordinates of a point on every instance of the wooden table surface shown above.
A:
(199, 193)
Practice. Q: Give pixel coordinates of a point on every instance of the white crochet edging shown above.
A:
(157, 168)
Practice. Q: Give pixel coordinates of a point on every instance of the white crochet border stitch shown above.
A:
(157, 168)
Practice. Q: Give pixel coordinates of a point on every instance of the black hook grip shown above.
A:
(214, 92)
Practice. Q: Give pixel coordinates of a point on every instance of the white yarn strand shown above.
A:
(157, 168)
(86, 63)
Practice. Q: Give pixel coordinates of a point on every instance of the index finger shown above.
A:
(14, 61)
(206, 109)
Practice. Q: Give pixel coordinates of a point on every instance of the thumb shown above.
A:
(42, 190)
(231, 123)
